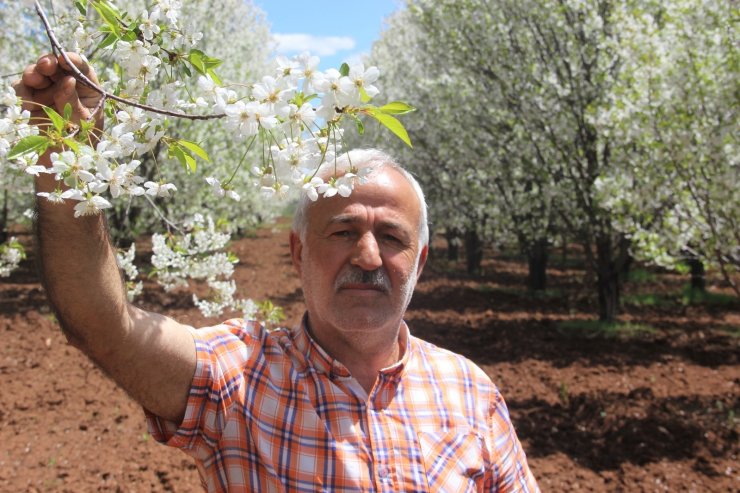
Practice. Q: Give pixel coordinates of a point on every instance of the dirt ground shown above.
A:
(637, 410)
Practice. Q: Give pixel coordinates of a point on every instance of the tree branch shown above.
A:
(56, 46)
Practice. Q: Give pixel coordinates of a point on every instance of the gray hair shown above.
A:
(359, 159)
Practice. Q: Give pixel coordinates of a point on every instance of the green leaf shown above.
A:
(392, 124)
(32, 143)
(358, 123)
(67, 112)
(363, 95)
(195, 57)
(195, 149)
(190, 161)
(56, 119)
(72, 144)
(215, 77)
(87, 126)
(396, 108)
(109, 14)
(344, 69)
(107, 41)
(129, 36)
(211, 62)
(186, 160)
(205, 64)
(81, 6)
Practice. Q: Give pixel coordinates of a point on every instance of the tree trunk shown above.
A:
(4, 219)
(453, 245)
(564, 252)
(473, 252)
(625, 257)
(607, 276)
(537, 255)
(698, 281)
(431, 251)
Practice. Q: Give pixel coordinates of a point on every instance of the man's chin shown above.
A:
(364, 319)
(362, 293)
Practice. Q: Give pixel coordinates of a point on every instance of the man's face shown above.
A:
(360, 260)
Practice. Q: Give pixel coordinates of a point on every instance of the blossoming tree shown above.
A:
(678, 107)
(552, 126)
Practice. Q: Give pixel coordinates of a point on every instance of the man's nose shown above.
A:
(367, 253)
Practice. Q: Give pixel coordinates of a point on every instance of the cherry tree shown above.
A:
(480, 164)
(677, 105)
(612, 121)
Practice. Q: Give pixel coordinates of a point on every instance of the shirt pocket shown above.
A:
(454, 460)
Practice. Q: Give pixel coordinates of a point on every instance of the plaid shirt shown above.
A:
(272, 411)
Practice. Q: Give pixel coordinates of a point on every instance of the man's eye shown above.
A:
(341, 234)
(392, 239)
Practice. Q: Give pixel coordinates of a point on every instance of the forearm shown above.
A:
(79, 271)
(149, 355)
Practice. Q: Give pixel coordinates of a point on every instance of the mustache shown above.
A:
(377, 278)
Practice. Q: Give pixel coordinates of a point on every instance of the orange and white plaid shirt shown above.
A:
(272, 411)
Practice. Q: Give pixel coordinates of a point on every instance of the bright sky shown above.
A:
(336, 31)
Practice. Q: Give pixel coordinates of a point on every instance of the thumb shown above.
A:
(67, 94)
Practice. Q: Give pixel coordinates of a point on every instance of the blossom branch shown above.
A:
(56, 46)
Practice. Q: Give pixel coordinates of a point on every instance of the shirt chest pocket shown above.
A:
(455, 460)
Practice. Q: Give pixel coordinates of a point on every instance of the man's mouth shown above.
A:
(354, 278)
(363, 287)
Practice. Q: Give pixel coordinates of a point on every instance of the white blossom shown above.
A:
(162, 190)
(91, 206)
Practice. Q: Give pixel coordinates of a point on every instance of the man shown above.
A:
(347, 401)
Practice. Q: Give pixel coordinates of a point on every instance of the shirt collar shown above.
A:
(322, 362)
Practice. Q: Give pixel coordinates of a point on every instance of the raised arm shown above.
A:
(151, 356)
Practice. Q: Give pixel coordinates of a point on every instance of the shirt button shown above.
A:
(383, 473)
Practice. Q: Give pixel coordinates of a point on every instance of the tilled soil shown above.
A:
(652, 409)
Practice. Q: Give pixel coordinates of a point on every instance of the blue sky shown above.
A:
(335, 31)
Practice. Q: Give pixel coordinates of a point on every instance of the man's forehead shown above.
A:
(386, 194)
(392, 221)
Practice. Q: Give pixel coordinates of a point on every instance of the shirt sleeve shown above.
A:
(222, 354)
(510, 469)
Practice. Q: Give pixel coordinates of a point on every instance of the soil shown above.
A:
(649, 407)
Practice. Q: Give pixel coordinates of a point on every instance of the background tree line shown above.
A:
(611, 124)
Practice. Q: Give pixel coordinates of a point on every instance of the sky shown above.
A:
(336, 31)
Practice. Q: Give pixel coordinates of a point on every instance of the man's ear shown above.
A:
(422, 261)
(296, 249)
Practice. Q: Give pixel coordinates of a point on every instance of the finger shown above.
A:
(32, 98)
(29, 103)
(79, 63)
(21, 90)
(47, 65)
(67, 94)
(32, 77)
(24, 93)
(85, 92)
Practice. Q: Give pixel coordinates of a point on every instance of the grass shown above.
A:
(648, 299)
(687, 296)
(521, 292)
(697, 297)
(641, 276)
(731, 330)
(593, 329)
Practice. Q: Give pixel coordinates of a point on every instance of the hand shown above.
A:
(49, 82)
